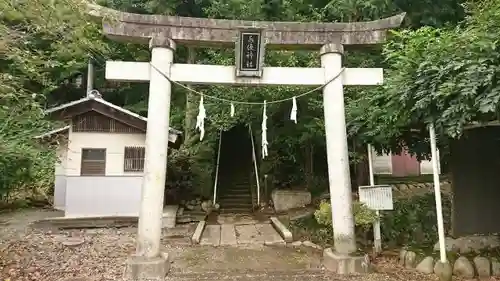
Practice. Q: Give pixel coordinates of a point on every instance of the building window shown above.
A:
(93, 162)
(134, 159)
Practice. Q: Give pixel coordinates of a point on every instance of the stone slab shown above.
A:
(284, 200)
(228, 235)
(269, 234)
(345, 264)
(211, 235)
(235, 219)
(248, 234)
(141, 268)
(182, 230)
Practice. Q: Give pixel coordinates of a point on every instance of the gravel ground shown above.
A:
(27, 254)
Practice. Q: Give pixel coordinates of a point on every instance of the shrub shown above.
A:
(413, 221)
(363, 216)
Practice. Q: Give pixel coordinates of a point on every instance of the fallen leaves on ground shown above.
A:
(43, 256)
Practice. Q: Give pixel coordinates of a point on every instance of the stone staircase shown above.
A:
(234, 191)
(236, 198)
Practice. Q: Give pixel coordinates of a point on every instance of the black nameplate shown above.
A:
(249, 51)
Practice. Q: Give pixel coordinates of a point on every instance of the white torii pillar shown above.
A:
(337, 152)
(335, 129)
(342, 259)
(149, 263)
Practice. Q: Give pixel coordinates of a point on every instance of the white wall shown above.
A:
(382, 165)
(426, 166)
(103, 196)
(114, 143)
(60, 177)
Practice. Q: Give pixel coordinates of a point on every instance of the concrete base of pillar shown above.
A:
(345, 264)
(147, 269)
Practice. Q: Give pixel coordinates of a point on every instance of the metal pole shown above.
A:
(377, 237)
(266, 193)
(217, 168)
(437, 193)
(254, 157)
(90, 77)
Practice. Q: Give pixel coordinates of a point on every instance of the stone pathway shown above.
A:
(234, 234)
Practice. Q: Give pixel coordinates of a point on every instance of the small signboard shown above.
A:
(376, 197)
(249, 53)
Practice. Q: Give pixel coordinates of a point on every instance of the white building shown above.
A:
(101, 158)
(402, 165)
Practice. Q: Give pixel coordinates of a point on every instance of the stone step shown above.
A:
(233, 195)
(235, 190)
(236, 203)
(250, 275)
(236, 207)
(236, 210)
(234, 185)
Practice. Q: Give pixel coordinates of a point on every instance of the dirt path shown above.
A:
(27, 254)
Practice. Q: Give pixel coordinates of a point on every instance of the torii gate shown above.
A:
(163, 32)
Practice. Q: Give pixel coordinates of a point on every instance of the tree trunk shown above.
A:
(362, 173)
(309, 165)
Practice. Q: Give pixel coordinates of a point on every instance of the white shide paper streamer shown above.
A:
(293, 113)
(264, 132)
(200, 119)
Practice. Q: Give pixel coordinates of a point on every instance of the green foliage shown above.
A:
(297, 151)
(363, 216)
(309, 229)
(43, 44)
(443, 75)
(413, 221)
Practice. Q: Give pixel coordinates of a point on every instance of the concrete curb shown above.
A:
(195, 239)
(282, 230)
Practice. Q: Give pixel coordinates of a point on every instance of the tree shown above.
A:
(45, 43)
(42, 45)
(447, 76)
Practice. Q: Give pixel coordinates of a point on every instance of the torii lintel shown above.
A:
(140, 28)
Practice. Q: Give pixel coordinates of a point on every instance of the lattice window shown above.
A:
(93, 162)
(134, 159)
(95, 122)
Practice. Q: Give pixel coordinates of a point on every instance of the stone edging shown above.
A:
(285, 233)
(306, 243)
(481, 267)
(195, 239)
